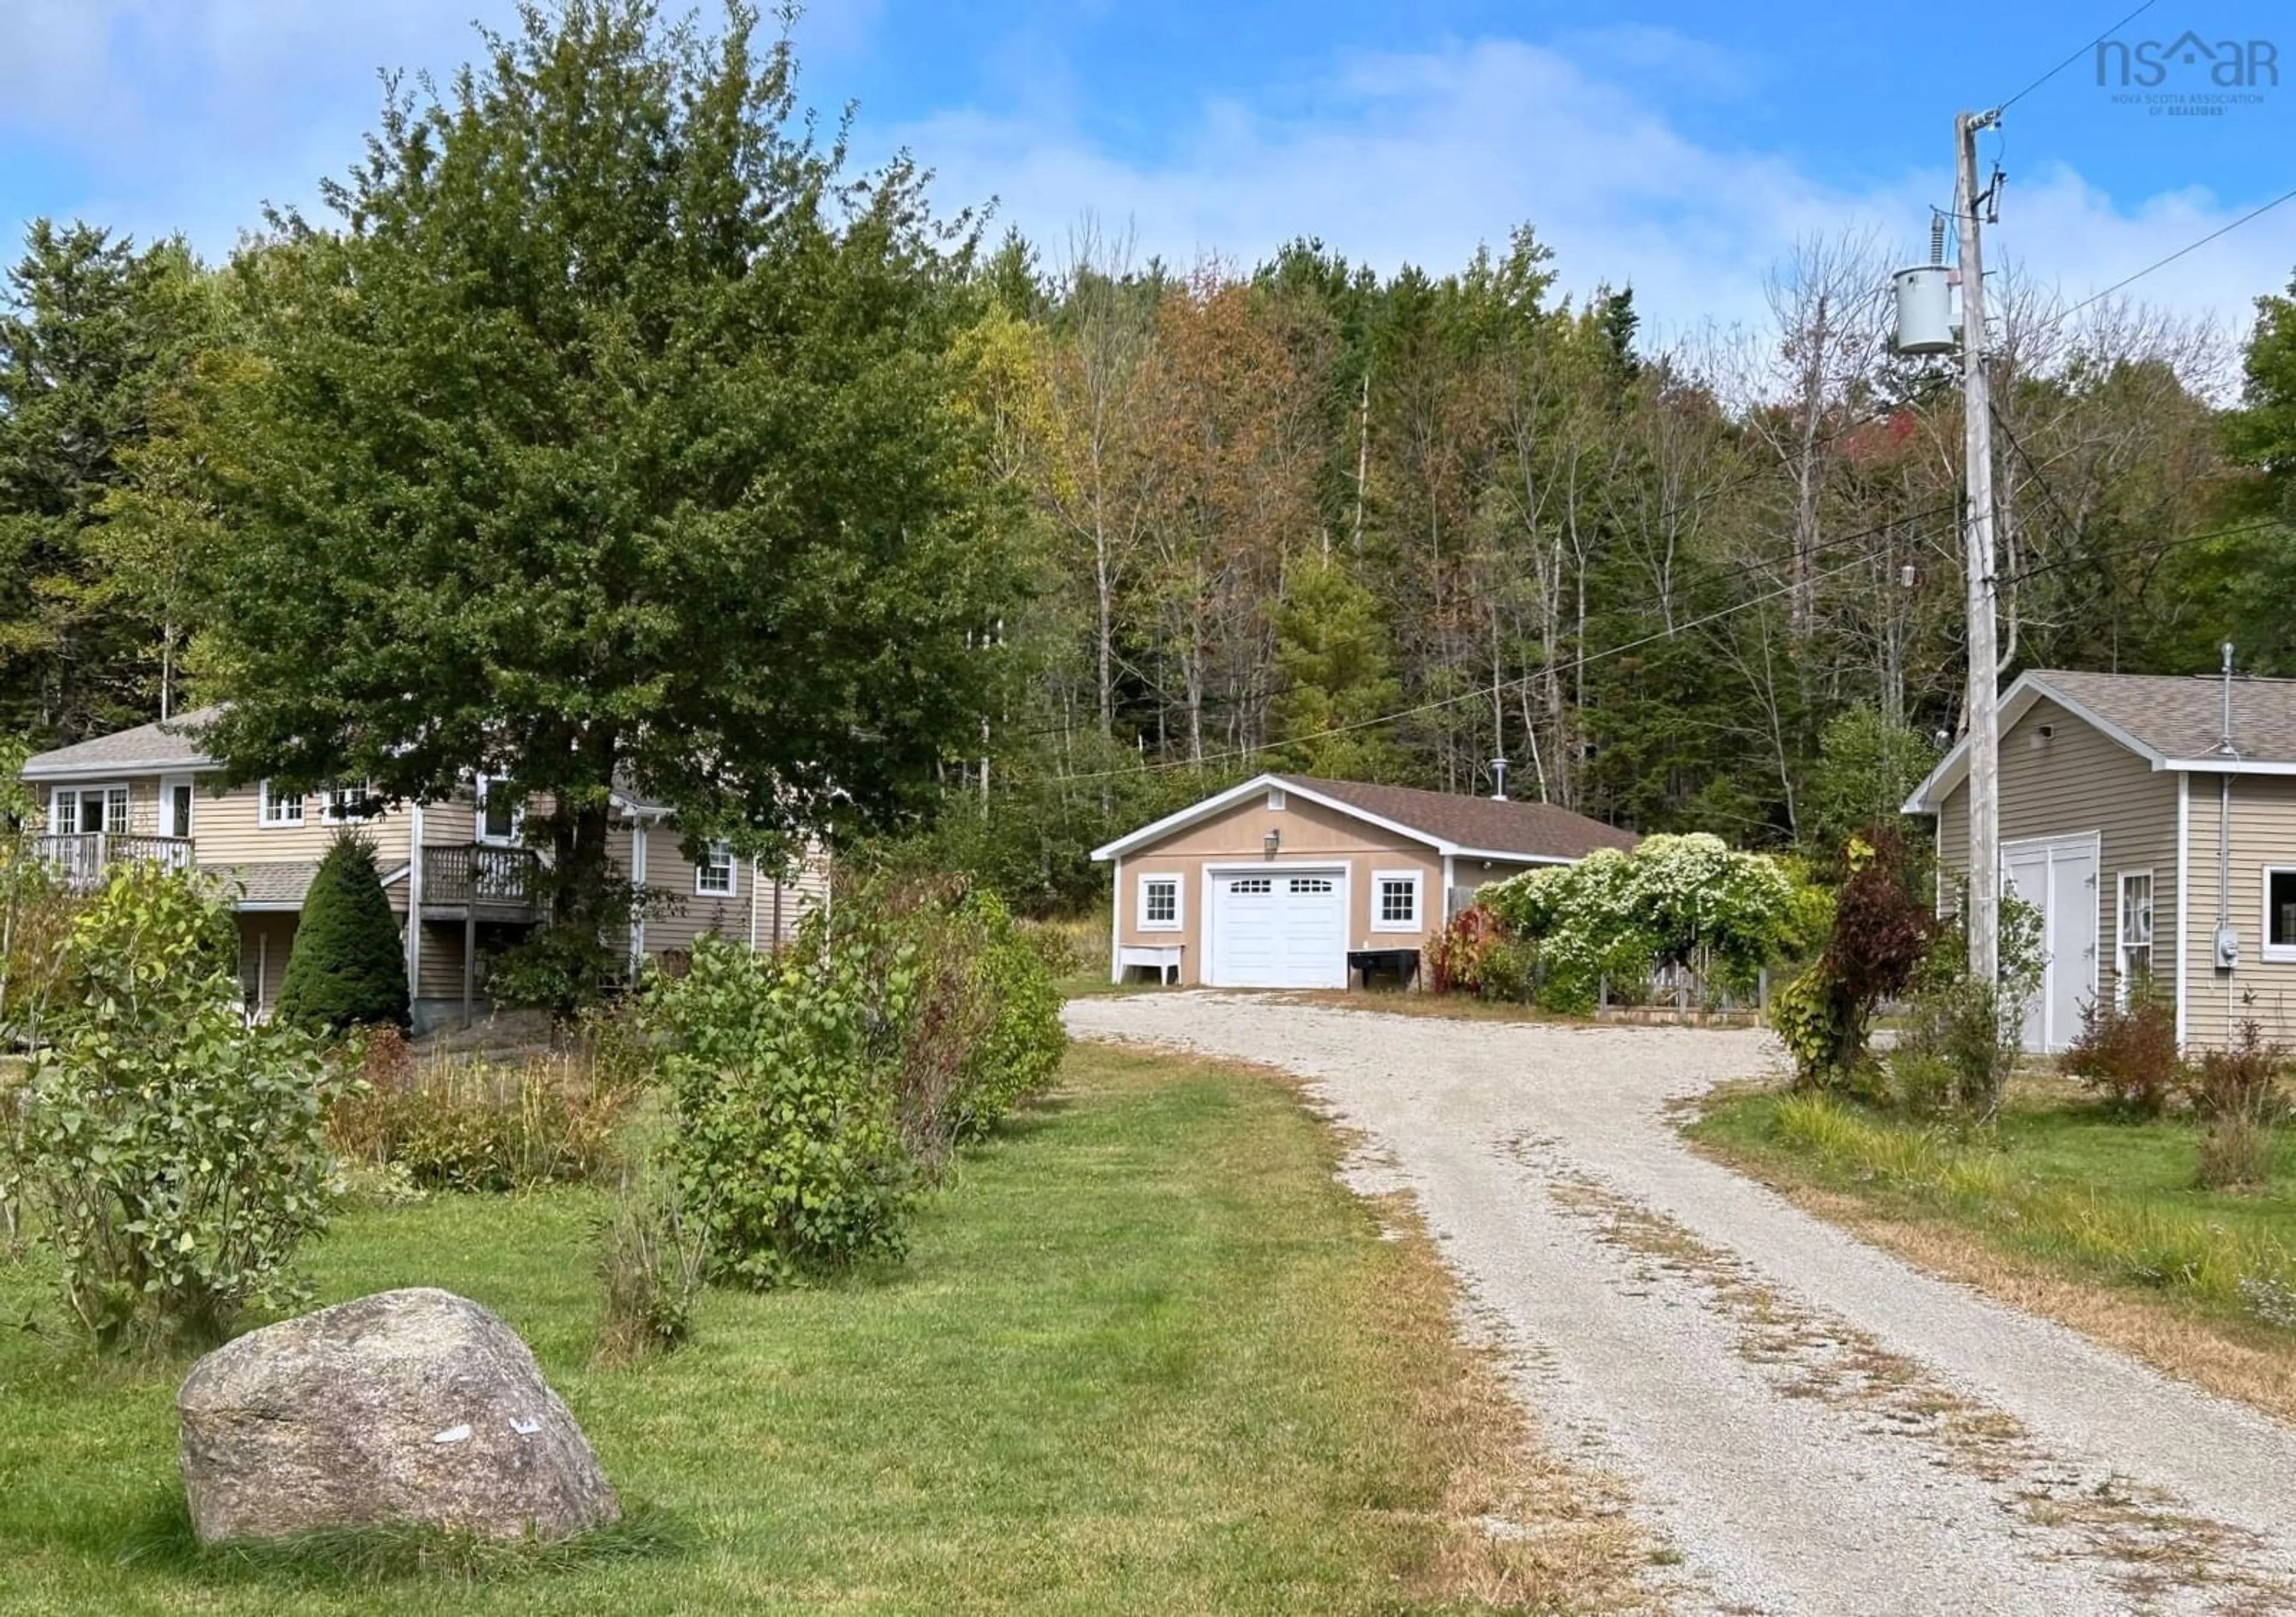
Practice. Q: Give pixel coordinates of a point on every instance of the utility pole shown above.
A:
(1984, 919)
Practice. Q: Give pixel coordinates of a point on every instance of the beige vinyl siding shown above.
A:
(264, 943)
(685, 914)
(441, 976)
(1310, 831)
(227, 829)
(2077, 781)
(2263, 835)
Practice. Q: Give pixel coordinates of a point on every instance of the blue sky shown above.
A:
(1682, 148)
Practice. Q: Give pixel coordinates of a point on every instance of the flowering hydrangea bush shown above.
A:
(1674, 901)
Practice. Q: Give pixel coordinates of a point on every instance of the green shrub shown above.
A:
(784, 1076)
(1881, 938)
(2243, 1081)
(478, 1125)
(2127, 1053)
(176, 1156)
(1963, 1026)
(347, 968)
(1674, 900)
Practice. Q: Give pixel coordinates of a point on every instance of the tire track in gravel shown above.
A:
(1813, 1425)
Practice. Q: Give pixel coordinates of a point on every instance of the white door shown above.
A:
(2058, 878)
(1279, 930)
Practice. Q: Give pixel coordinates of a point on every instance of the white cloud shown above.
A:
(1418, 156)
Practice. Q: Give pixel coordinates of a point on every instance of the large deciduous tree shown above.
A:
(609, 440)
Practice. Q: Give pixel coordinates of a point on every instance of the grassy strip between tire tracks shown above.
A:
(1146, 1356)
(2058, 1209)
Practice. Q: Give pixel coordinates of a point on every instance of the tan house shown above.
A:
(1291, 882)
(461, 867)
(2152, 820)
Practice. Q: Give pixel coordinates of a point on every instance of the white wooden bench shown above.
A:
(1162, 958)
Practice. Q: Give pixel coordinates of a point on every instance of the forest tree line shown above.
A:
(1308, 515)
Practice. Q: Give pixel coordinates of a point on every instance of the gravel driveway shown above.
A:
(1810, 1424)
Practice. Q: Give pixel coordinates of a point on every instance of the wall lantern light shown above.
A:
(1271, 842)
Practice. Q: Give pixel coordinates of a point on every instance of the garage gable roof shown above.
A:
(1480, 828)
(2173, 721)
(170, 744)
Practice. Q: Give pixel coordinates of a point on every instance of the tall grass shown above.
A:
(2147, 1243)
(463, 1124)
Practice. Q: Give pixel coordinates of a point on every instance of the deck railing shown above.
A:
(467, 875)
(85, 858)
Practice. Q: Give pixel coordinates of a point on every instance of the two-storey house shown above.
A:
(459, 873)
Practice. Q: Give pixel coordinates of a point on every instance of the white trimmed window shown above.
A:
(88, 811)
(346, 804)
(1159, 903)
(1395, 900)
(2280, 912)
(502, 814)
(274, 809)
(2134, 963)
(713, 878)
(1276, 800)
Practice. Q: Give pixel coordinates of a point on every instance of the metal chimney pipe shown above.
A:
(2224, 741)
(1498, 769)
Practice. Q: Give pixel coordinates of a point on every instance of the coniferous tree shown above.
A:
(345, 968)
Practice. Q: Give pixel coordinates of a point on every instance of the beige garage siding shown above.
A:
(2263, 835)
(1310, 833)
(2074, 781)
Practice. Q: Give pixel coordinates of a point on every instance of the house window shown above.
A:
(1159, 903)
(502, 815)
(175, 808)
(714, 876)
(2280, 914)
(88, 811)
(1395, 900)
(1275, 799)
(275, 808)
(2135, 932)
(347, 805)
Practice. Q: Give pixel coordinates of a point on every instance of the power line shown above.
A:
(2135, 547)
(1484, 693)
(2075, 57)
(2254, 213)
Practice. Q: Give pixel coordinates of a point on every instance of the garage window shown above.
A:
(1313, 883)
(1252, 884)
(1395, 902)
(1159, 903)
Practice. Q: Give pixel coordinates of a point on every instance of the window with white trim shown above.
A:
(1276, 800)
(1159, 903)
(1395, 900)
(274, 809)
(347, 805)
(713, 878)
(2134, 962)
(88, 811)
(502, 813)
(2280, 912)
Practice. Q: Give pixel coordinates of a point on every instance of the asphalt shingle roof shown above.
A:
(168, 743)
(2182, 715)
(1537, 831)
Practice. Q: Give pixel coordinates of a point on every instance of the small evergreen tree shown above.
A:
(345, 970)
(1337, 677)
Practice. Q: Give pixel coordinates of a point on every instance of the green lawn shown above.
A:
(1145, 1356)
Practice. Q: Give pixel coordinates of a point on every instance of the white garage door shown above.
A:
(1279, 930)
(2058, 877)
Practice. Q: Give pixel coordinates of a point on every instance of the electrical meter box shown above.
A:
(2227, 948)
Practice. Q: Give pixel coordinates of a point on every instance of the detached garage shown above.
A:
(1291, 882)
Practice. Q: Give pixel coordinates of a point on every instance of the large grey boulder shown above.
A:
(412, 1406)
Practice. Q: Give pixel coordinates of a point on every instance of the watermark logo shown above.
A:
(2189, 76)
